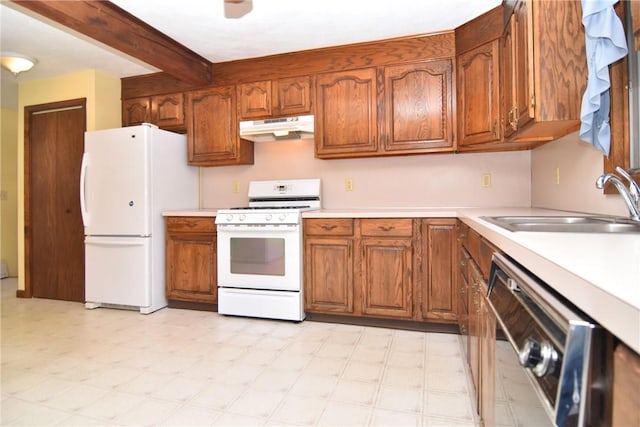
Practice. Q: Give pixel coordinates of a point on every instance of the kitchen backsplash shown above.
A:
(579, 166)
(442, 180)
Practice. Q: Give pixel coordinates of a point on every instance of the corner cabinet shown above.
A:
(418, 108)
(346, 114)
(165, 111)
(281, 97)
(191, 260)
(478, 96)
(548, 70)
(438, 290)
(212, 129)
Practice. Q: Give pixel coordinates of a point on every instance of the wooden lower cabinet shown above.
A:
(439, 294)
(386, 279)
(191, 259)
(375, 267)
(626, 384)
(477, 321)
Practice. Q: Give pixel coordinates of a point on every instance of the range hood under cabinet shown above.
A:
(283, 128)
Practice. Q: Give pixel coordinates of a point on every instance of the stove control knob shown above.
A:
(242, 217)
(542, 358)
(229, 217)
(282, 217)
(268, 217)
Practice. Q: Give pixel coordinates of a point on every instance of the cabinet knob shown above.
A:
(387, 228)
(328, 227)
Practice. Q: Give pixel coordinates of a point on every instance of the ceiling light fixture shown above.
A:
(17, 63)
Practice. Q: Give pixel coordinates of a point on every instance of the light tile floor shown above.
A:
(65, 365)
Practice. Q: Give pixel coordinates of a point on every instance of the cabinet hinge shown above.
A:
(533, 102)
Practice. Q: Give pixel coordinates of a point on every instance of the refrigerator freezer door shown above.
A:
(115, 182)
(118, 271)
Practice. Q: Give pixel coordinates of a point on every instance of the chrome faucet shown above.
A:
(630, 195)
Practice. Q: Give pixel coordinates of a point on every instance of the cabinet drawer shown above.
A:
(187, 224)
(402, 227)
(328, 227)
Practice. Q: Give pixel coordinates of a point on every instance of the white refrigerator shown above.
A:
(128, 177)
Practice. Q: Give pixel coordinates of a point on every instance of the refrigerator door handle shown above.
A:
(117, 241)
(83, 180)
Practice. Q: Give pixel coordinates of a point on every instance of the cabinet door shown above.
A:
(522, 72)
(136, 111)
(191, 271)
(418, 107)
(507, 50)
(293, 95)
(439, 298)
(212, 129)
(167, 111)
(346, 114)
(328, 275)
(487, 393)
(255, 100)
(386, 277)
(479, 95)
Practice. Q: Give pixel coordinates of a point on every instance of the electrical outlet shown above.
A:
(348, 184)
(556, 176)
(235, 187)
(486, 180)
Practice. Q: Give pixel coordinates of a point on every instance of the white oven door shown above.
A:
(260, 257)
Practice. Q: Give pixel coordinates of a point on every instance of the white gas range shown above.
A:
(260, 250)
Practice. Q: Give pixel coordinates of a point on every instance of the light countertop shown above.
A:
(599, 273)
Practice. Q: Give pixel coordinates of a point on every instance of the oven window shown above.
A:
(257, 255)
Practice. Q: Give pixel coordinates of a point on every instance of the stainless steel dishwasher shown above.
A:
(559, 350)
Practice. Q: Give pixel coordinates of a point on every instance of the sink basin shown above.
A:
(567, 224)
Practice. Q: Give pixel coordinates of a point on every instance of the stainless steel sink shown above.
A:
(567, 224)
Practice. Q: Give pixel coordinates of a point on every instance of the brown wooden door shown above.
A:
(191, 254)
(346, 114)
(418, 107)
(329, 275)
(294, 95)
(524, 110)
(54, 233)
(212, 128)
(479, 95)
(438, 292)
(255, 100)
(167, 111)
(387, 277)
(136, 111)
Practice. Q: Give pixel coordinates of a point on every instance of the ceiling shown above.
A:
(269, 27)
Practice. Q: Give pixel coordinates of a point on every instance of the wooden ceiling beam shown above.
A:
(109, 24)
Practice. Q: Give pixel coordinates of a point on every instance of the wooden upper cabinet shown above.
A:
(282, 97)
(294, 95)
(521, 111)
(212, 129)
(346, 114)
(165, 111)
(136, 111)
(549, 70)
(418, 108)
(255, 100)
(478, 96)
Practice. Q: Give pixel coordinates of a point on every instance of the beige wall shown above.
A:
(580, 165)
(439, 180)
(102, 92)
(9, 188)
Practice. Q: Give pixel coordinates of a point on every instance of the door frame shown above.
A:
(29, 111)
